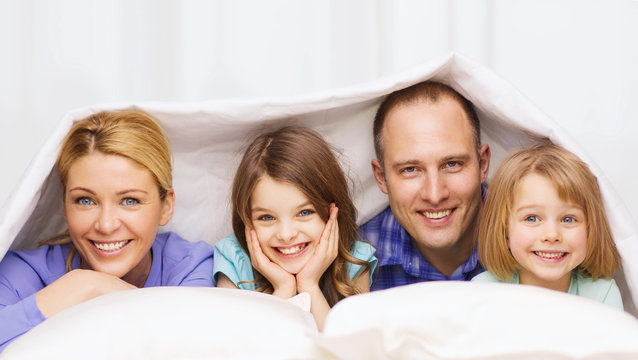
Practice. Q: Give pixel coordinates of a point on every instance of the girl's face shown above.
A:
(113, 209)
(287, 224)
(547, 236)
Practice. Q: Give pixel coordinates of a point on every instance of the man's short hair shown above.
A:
(427, 92)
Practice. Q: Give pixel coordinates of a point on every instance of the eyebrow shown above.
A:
(123, 192)
(256, 209)
(463, 157)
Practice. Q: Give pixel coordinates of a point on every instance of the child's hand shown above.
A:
(325, 253)
(284, 283)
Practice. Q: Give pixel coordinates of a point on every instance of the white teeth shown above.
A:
(111, 246)
(437, 215)
(549, 255)
(292, 250)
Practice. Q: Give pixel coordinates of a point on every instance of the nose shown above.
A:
(286, 231)
(551, 234)
(107, 221)
(434, 188)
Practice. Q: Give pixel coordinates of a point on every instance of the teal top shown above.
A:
(604, 291)
(231, 260)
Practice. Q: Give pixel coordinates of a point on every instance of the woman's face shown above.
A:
(112, 207)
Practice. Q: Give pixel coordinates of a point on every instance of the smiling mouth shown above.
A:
(436, 214)
(111, 246)
(549, 255)
(292, 250)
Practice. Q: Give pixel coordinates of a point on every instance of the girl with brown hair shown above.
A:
(294, 224)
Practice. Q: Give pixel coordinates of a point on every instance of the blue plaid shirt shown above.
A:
(400, 262)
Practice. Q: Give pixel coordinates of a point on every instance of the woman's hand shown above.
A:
(283, 282)
(75, 287)
(325, 253)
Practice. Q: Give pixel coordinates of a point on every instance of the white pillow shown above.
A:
(463, 320)
(172, 323)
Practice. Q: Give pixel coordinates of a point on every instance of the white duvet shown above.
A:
(207, 140)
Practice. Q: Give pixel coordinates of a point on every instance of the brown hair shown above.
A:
(130, 134)
(424, 92)
(299, 156)
(574, 183)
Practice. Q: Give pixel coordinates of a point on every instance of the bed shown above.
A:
(498, 321)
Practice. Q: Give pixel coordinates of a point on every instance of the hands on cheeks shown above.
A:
(325, 253)
(285, 284)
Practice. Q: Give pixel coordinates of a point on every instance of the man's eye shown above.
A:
(409, 169)
(451, 164)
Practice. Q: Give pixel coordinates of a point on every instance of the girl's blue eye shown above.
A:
(130, 202)
(84, 201)
(569, 219)
(306, 212)
(531, 218)
(266, 218)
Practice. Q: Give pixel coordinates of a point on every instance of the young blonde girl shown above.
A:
(544, 224)
(294, 224)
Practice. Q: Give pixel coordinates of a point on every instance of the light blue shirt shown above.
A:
(232, 261)
(604, 291)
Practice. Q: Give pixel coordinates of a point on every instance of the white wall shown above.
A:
(574, 59)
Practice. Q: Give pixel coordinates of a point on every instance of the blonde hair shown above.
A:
(574, 183)
(131, 134)
(299, 156)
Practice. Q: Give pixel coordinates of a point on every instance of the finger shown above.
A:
(325, 234)
(249, 241)
(334, 236)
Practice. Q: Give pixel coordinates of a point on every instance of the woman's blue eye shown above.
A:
(130, 202)
(531, 218)
(84, 201)
(306, 212)
(266, 218)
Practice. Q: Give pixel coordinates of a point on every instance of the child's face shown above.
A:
(547, 236)
(287, 224)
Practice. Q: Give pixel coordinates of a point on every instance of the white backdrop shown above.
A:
(575, 59)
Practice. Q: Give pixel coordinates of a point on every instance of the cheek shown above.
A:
(314, 229)
(516, 240)
(403, 190)
(264, 234)
(78, 221)
(465, 185)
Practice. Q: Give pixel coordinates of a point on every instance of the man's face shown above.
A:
(432, 173)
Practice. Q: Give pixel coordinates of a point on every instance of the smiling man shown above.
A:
(432, 166)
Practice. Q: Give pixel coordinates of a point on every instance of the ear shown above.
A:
(379, 176)
(168, 205)
(484, 161)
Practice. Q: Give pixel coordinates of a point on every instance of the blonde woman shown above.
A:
(115, 170)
